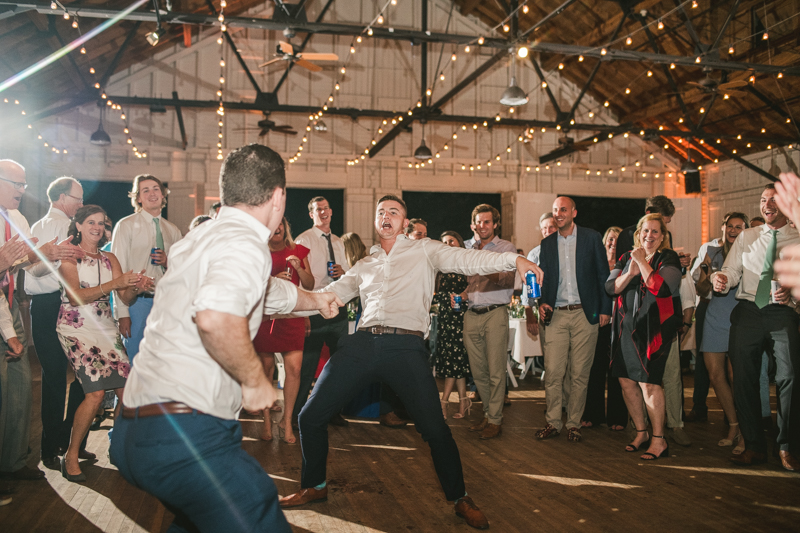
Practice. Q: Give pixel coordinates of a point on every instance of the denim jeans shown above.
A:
(194, 464)
(139, 312)
(401, 361)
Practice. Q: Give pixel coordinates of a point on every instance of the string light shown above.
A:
(221, 107)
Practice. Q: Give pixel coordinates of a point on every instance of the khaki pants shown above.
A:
(673, 387)
(569, 346)
(486, 341)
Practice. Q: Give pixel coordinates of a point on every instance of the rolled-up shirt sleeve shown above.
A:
(281, 297)
(469, 262)
(6, 320)
(227, 287)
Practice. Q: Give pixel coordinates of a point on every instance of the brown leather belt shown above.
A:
(484, 310)
(158, 409)
(383, 330)
(569, 307)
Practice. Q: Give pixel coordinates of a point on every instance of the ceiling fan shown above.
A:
(568, 142)
(285, 52)
(711, 85)
(266, 125)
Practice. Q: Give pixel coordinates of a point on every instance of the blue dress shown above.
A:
(717, 324)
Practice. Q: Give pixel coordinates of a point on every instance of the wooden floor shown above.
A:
(383, 480)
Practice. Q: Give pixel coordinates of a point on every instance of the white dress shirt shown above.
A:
(688, 293)
(745, 260)
(318, 255)
(133, 239)
(483, 292)
(54, 225)
(223, 265)
(396, 289)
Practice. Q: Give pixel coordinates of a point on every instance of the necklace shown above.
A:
(87, 251)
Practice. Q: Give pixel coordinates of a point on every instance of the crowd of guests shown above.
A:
(613, 313)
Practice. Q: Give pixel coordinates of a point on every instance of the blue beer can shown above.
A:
(152, 251)
(457, 303)
(534, 290)
(330, 268)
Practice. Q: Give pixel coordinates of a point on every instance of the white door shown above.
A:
(686, 225)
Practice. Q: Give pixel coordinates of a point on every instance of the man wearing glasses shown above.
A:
(66, 197)
(15, 370)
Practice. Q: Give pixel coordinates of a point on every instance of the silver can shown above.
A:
(774, 286)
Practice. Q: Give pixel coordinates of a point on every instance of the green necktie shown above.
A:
(767, 272)
(160, 238)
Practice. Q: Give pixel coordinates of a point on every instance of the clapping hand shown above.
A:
(788, 197)
(12, 251)
(788, 269)
(128, 279)
(61, 251)
(145, 283)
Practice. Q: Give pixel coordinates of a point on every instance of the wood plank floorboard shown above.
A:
(383, 480)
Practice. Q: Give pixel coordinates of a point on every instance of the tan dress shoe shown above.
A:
(491, 431)
(303, 497)
(391, 420)
(466, 509)
(789, 462)
(480, 426)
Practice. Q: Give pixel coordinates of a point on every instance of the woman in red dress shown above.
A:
(285, 335)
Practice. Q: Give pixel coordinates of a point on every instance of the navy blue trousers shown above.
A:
(401, 361)
(194, 464)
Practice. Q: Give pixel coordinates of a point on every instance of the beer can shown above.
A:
(152, 251)
(330, 268)
(457, 303)
(533, 288)
(774, 286)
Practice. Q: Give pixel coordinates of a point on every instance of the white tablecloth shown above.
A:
(524, 344)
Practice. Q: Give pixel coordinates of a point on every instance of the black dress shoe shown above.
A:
(53, 463)
(695, 417)
(337, 420)
(25, 473)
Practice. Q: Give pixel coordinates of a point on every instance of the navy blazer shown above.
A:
(592, 272)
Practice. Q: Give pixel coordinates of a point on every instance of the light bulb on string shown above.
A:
(731, 50)
(380, 19)
(660, 24)
(506, 28)
(441, 76)
(369, 32)
(649, 73)
(525, 11)
(466, 49)
(561, 66)
(453, 57)
(480, 40)
(75, 24)
(580, 59)
(629, 40)
(627, 90)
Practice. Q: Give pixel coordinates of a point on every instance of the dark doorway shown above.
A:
(602, 213)
(297, 208)
(111, 196)
(446, 210)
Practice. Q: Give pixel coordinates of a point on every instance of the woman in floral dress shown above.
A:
(451, 356)
(86, 329)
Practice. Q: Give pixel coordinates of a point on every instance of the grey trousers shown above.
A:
(486, 341)
(673, 387)
(17, 402)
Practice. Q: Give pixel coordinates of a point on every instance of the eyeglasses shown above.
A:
(80, 199)
(17, 185)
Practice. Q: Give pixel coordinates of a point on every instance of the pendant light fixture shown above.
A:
(513, 96)
(423, 152)
(100, 137)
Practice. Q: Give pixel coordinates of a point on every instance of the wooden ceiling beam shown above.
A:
(46, 26)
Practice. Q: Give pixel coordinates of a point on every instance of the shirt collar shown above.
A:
(781, 231)
(147, 216)
(571, 235)
(227, 212)
(318, 232)
(56, 212)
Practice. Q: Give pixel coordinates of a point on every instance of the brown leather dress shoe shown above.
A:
(491, 431)
(303, 497)
(789, 462)
(749, 458)
(480, 426)
(391, 420)
(466, 509)
(25, 473)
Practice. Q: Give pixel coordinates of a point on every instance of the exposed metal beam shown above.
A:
(731, 14)
(54, 30)
(600, 129)
(668, 74)
(547, 86)
(436, 106)
(700, 48)
(708, 110)
(567, 150)
(178, 111)
(118, 56)
(594, 70)
(302, 47)
(744, 162)
(229, 39)
(557, 11)
(409, 35)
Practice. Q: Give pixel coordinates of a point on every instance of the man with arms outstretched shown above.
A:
(395, 284)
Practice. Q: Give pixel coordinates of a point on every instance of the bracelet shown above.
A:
(687, 324)
(101, 290)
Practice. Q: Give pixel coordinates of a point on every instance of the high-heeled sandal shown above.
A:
(650, 456)
(729, 442)
(463, 409)
(444, 407)
(631, 447)
(740, 447)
